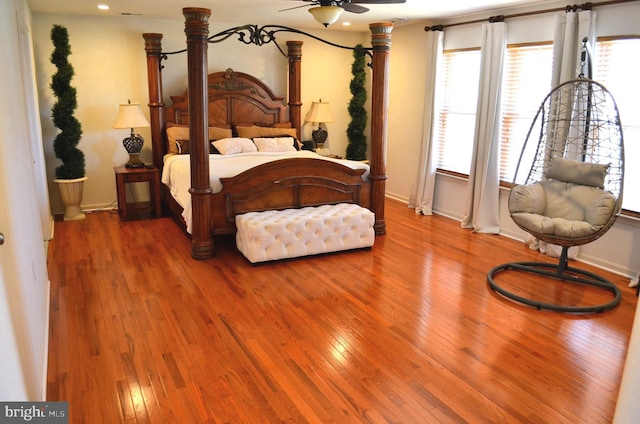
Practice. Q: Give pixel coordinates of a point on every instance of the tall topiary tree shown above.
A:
(65, 145)
(357, 147)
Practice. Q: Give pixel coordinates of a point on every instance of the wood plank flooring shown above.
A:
(406, 332)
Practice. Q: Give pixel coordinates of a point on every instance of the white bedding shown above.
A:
(176, 173)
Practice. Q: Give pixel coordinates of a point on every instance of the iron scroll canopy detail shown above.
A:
(262, 35)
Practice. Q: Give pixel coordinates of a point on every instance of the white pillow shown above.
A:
(178, 137)
(235, 145)
(571, 171)
(276, 144)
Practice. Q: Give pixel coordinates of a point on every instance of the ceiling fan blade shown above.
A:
(295, 7)
(347, 5)
(354, 8)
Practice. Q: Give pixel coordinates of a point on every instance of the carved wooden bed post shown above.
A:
(197, 31)
(381, 43)
(295, 105)
(153, 47)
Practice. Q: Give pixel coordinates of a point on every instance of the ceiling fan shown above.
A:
(327, 12)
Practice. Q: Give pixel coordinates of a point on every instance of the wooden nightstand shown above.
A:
(129, 211)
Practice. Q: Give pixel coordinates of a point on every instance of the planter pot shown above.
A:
(71, 192)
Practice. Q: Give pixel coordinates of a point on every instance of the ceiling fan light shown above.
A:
(326, 15)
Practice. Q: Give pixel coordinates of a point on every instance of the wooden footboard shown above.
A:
(283, 184)
(296, 183)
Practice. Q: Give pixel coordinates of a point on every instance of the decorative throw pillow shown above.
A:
(275, 144)
(572, 171)
(182, 146)
(216, 133)
(235, 145)
(178, 137)
(175, 134)
(257, 131)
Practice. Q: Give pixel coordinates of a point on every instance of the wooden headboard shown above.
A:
(235, 98)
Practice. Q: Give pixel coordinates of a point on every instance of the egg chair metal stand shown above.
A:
(560, 271)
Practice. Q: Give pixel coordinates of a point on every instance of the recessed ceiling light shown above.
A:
(346, 24)
(399, 21)
(103, 6)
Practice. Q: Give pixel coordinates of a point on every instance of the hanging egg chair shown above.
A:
(568, 186)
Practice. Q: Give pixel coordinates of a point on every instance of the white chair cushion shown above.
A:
(561, 209)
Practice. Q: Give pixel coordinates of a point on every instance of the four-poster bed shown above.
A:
(231, 100)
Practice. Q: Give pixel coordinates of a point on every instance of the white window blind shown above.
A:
(616, 67)
(526, 82)
(457, 117)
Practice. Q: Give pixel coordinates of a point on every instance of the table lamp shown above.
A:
(130, 116)
(319, 114)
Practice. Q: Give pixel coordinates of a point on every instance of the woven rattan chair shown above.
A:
(567, 189)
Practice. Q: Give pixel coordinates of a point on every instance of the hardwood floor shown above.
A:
(406, 332)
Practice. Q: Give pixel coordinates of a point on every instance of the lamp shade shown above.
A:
(130, 116)
(326, 15)
(319, 112)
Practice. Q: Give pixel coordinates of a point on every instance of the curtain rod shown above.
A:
(501, 18)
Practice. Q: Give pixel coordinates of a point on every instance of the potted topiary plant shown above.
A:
(357, 147)
(70, 175)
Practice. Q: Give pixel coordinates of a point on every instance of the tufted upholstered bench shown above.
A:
(290, 233)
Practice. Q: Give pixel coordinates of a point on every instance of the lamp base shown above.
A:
(133, 146)
(134, 161)
(319, 137)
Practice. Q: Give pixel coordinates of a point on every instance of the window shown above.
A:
(525, 83)
(616, 63)
(457, 119)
